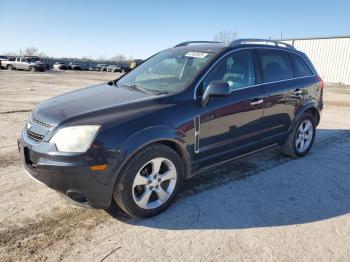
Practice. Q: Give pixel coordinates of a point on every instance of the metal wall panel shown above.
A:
(330, 56)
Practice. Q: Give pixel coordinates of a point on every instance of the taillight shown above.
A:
(321, 82)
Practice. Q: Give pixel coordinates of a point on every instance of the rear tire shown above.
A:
(145, 188)
(301, 138)
(32, 69)
(9, 67)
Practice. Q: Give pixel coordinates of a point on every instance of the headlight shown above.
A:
(75, 139)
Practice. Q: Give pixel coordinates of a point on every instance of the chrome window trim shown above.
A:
(284, 80)
(250, 48)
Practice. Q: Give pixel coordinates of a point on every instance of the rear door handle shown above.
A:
(298, 92)
(257, 102)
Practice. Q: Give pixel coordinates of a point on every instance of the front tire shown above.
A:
(149, 182)
(301, 138)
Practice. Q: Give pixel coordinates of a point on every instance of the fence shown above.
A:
(330, 55)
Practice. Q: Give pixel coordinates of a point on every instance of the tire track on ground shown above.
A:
(16, 111)
(30, 241)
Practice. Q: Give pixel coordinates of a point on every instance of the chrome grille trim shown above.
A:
(34, 136)
(42, 123)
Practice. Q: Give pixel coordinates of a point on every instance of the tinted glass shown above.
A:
(300, 67)
(276, 65)
(236, 69)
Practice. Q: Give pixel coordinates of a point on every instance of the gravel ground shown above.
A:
(261, 208)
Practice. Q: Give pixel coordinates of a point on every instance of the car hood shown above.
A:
(88, 102)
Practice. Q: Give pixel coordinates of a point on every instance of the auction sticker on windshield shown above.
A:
(196, 54)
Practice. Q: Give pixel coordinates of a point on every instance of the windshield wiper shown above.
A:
(138, 88)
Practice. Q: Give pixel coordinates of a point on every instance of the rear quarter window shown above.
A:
(300, 67)
(276, 65)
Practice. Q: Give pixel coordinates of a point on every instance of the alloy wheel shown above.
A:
(304, 136)
(154, 183)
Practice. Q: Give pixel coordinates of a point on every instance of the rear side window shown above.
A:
(300, 67)
(276, 65)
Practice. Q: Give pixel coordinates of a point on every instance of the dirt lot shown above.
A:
(261, 208)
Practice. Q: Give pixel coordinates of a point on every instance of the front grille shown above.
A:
(40, 122)
(34, 136)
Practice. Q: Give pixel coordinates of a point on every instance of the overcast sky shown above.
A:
(141, 28)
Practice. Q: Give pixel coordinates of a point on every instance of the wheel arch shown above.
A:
(314, 112)
(155, 135)
(310, 108)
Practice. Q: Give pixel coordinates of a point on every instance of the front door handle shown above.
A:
(257, 102)
(298, 92)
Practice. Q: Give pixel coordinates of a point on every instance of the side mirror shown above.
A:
(216, 88)
(114, 82)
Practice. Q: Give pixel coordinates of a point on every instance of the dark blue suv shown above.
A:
(136, 139)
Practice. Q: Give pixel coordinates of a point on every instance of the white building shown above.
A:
(330, 56)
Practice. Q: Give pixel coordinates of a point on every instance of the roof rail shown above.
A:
(196, 42)
(253, 41)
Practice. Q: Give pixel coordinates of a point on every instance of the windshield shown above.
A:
(167, 72)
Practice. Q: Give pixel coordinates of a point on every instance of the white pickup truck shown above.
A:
(24, 63)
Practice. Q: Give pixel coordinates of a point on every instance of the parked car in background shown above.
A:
(3, 58)
(25, 63)
(37, 58)
(188, 108)
(100, 67)
(113, 68)
(60, 66)
(135, 63)
(123, 67)
(118, 67)
(74, 66)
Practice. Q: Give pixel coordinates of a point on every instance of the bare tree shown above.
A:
(225, 36)
(30, 51)
(118, 57)
(41, 54)
(101, 58)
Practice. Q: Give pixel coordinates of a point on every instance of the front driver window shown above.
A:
(236, 69)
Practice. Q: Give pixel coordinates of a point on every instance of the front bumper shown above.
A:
(69, 175)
